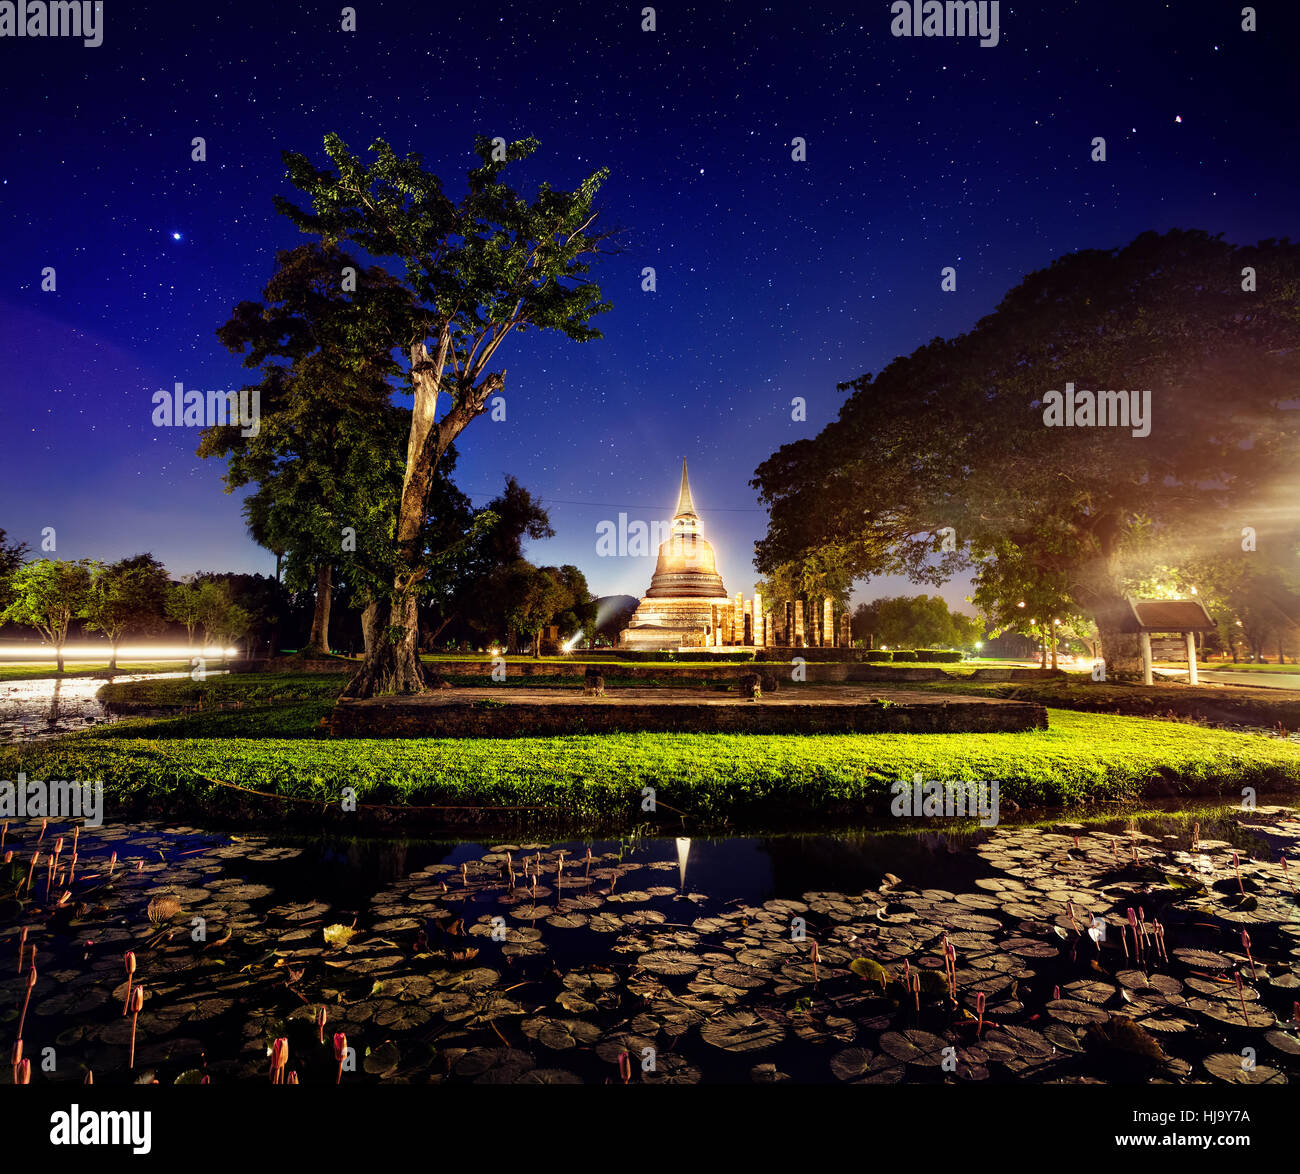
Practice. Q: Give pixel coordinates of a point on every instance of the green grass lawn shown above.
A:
(41, 671)
(737, 781)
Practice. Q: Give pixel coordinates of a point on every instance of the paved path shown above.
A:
(1266, 680)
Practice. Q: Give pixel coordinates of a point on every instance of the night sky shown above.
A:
(775, 278)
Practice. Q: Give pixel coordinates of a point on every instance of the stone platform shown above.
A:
(510, 711)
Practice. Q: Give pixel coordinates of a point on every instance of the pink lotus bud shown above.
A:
(90, 1076)
(137, 1000)
(31, 977)
(341, 1045)
(293, 1078)
(128, 960)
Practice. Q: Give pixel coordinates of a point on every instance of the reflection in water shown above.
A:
(52, 718)
(30, 710)
(348, 871)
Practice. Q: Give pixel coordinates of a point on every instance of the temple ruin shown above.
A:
(687, 606)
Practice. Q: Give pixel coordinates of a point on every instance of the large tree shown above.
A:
(48, 594)
(956, 434)
(128, 596)
(481, 268)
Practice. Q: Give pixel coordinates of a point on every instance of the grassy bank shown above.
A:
(1242, 705)
(712, 780)
(224, 689)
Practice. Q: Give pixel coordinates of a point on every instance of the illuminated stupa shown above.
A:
(677, 610)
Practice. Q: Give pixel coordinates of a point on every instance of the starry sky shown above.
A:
(776, 278)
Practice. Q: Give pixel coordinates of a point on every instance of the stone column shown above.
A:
(738, 619)
(1192, 678)
(798, 623)
(748, 621)
(1145, 641)
(828, 621)
(787, 624)
(758, 619)
(846, 631)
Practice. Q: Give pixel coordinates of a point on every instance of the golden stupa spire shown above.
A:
(685, 504)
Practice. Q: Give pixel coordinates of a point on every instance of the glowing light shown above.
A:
(101, 652)
(568, 644)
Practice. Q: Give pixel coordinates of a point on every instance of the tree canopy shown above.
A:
(957, 435)
(480, 267)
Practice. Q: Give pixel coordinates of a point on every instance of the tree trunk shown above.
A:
(1119, 650)
(392, 663)
(370, 626)
(112, 655)
(58, 656)
(319, 640)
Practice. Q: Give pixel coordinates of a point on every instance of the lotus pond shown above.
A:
(1148, 950)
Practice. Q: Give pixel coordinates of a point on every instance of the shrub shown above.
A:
(936, 656)
(877, 654)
